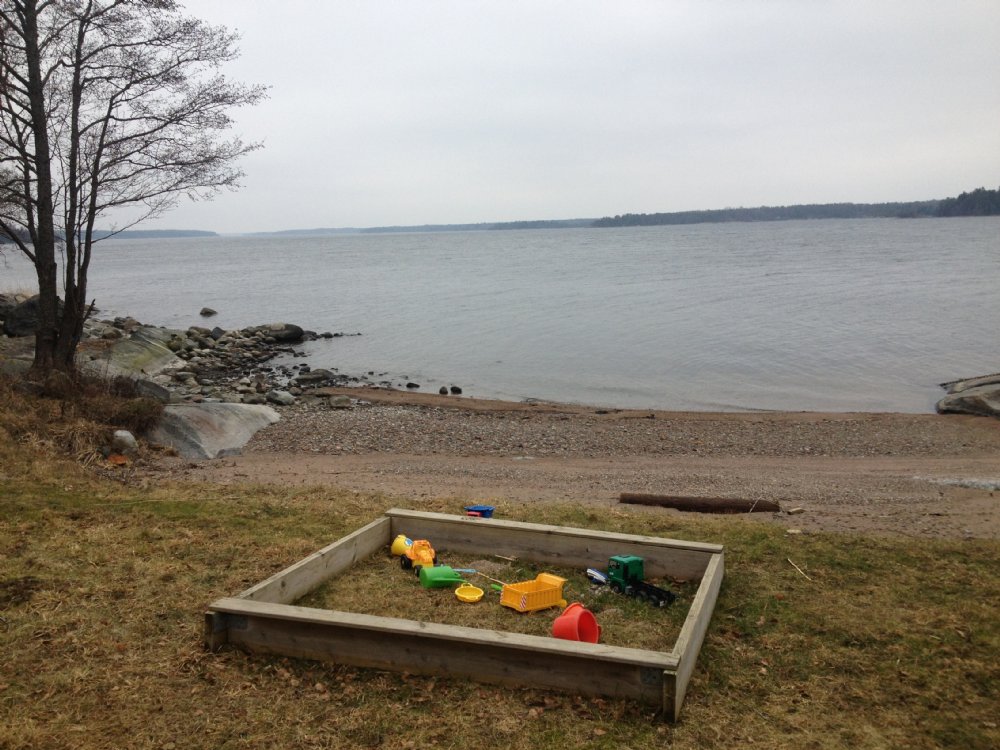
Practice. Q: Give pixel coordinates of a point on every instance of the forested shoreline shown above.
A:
(979, 202)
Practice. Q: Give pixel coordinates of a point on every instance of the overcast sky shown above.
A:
(457, 111)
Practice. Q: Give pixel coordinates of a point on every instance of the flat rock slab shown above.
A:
(980, 399)
(210, 430)
(145, 353)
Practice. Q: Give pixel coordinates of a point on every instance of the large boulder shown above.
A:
(145, 353)
(983, 400)
(201, 431)
(285, 332)
(7, 303)
(22, 319)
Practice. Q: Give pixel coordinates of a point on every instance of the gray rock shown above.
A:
(22, 320)
(957, 386)
(456, 391)
(210, 430)
(340, 402)
(144, 353)
(282, 398)
(208, 312)
(283, 332)
(7, 303)
(152, 390)
(15, 366)
(983, 400)
(124, 442)
(314, 376)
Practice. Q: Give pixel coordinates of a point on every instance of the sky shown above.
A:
(464, 111)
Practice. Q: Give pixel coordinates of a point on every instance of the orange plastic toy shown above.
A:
(418, 555)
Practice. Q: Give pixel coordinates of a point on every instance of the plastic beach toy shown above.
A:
(419, 554)
(480, 511)
(527, 596)
(576, 623)
(469, 593)
(439, 577)
(399, 545)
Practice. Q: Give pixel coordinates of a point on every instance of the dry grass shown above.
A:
(892, 643)
(102, 588)
(75, 419)
(378, 586)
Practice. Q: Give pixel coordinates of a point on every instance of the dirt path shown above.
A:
(871, 496)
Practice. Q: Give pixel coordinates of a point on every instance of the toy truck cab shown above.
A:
(626, 574)
(418, 555)
(624, 571)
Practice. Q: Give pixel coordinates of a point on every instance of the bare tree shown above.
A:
(105, 105)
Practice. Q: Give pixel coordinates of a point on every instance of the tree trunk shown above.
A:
(44, 239)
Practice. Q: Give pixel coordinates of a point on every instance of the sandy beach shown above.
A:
(921, 475)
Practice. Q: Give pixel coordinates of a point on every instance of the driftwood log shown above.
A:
(702, 504)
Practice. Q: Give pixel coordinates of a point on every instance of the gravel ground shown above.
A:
(421, 430)
(922, 475)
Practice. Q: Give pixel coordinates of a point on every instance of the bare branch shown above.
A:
(106, 104)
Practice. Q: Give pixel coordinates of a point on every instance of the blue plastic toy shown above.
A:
(480, 511)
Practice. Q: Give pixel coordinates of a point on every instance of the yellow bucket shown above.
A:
(469, 593)
(399, 545)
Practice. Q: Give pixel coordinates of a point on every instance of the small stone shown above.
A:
(795, 511)
(443, 390)
(793, 532)
(208, 312)
(412, 385)
(313, 376)
(282, 398)
(124, 442)
(456, 391)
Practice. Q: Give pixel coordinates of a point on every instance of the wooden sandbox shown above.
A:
(264, 618)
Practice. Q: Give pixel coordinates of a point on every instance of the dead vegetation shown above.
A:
(863, 642)
(72, 417)
(887, 644)
(378, 586)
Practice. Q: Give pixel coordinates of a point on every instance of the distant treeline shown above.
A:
(130, 234)
(777, 213)
(480, 227)
(980, 202)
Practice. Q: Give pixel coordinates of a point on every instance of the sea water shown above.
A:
(837, 315)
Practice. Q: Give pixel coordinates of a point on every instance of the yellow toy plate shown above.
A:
(469, 593)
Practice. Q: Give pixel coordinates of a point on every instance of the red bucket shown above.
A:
(576, 623)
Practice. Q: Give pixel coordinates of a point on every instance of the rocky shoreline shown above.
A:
(203, 365)
(253, 365)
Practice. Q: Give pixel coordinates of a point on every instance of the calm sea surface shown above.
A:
(838, 315)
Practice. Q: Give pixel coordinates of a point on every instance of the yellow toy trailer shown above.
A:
(527, 596)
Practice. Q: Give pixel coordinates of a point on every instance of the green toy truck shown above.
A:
(625, 575)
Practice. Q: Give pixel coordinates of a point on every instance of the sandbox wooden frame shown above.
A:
(264, 619)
